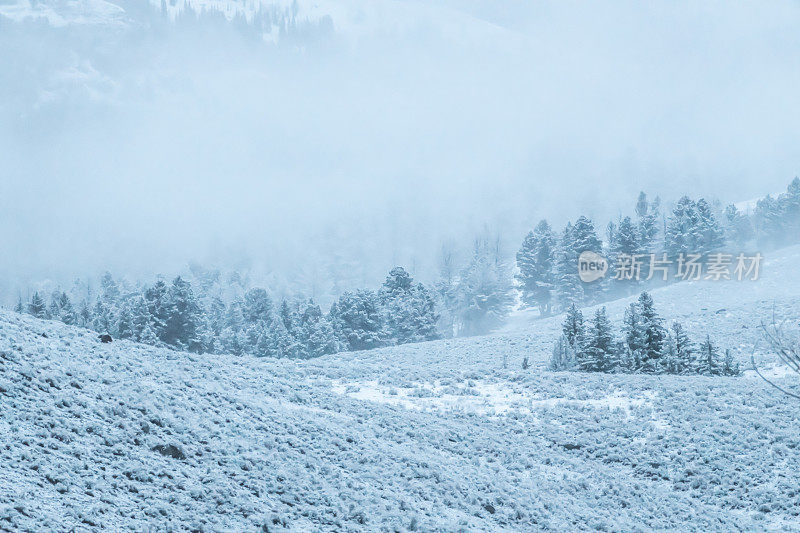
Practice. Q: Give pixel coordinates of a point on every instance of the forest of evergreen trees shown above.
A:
(547, 273)
(471, 297)
(174, 315)
(646, 346)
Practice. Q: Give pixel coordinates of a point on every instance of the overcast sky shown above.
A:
(141, 149)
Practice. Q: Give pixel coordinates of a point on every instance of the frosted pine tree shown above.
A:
(563, 356)
(711, 237)
(584, 238)
(67, 313)
(682, 233)
(484, 290)
(358, 320)
(598, 353)
(317, 334)
(653, 331)
(536, 263)
(729, 367)
(737, 226)
(708, 359)
(768, 220)
(37, 307)
(573, 328)
(569, 288)
(648, 226)
(634, 338)
(684, 350)
(624, 242)
(183, 316)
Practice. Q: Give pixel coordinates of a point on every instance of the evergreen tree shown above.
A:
(598, 354)
(569, 288)
(67, 313)
(768, 221)
(564, 355)
(711, 237)
(409, 309)
(85, 315)
(653, 331)
(573, 328)
(536, 263)
(446, 292)
(684, 351)
(634, 333)
(729, 367)
(682, 233)
(19, 308)
(737, 228)
(317, 334)
(124, 329)
(708, 359)
(648, 215)
(484, 290)
(585, 239)
(358, 320)
(183, 316)
(37, 307)
(54, 311)
(157, 308)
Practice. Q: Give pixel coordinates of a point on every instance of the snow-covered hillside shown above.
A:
(432, 436)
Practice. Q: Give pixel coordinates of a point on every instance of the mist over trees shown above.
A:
(649, 248)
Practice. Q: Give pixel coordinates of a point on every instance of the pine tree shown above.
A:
(684, 351)
(564, 355)
(708, 359)
(19, 308)
(669, 357)
(768, 221)
(358, 320)
(633, 331)
(737, 227)
(37, 307)
(573, 328)
(54, 311)
(317, 334)
(653, 332)
(585, 239)
(446, 293)
(157, 308)
(682, 233)
(536, 263)
(183, 315)
(648, 214)
(789, 207)
(729, 367)
(85, 315)
(711, 237)
(67, 313)
(598, 354)
(625, 242)
(484, 290)
(569, 288)
(124, 329)
(408, 307)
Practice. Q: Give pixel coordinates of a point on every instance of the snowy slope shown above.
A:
(433, 436)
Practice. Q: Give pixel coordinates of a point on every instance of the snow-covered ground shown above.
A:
(433, 436)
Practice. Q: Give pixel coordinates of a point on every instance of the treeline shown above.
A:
(547, 262)
(174, 315)
(645, 346)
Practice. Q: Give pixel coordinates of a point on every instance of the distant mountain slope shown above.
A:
(433, 436)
